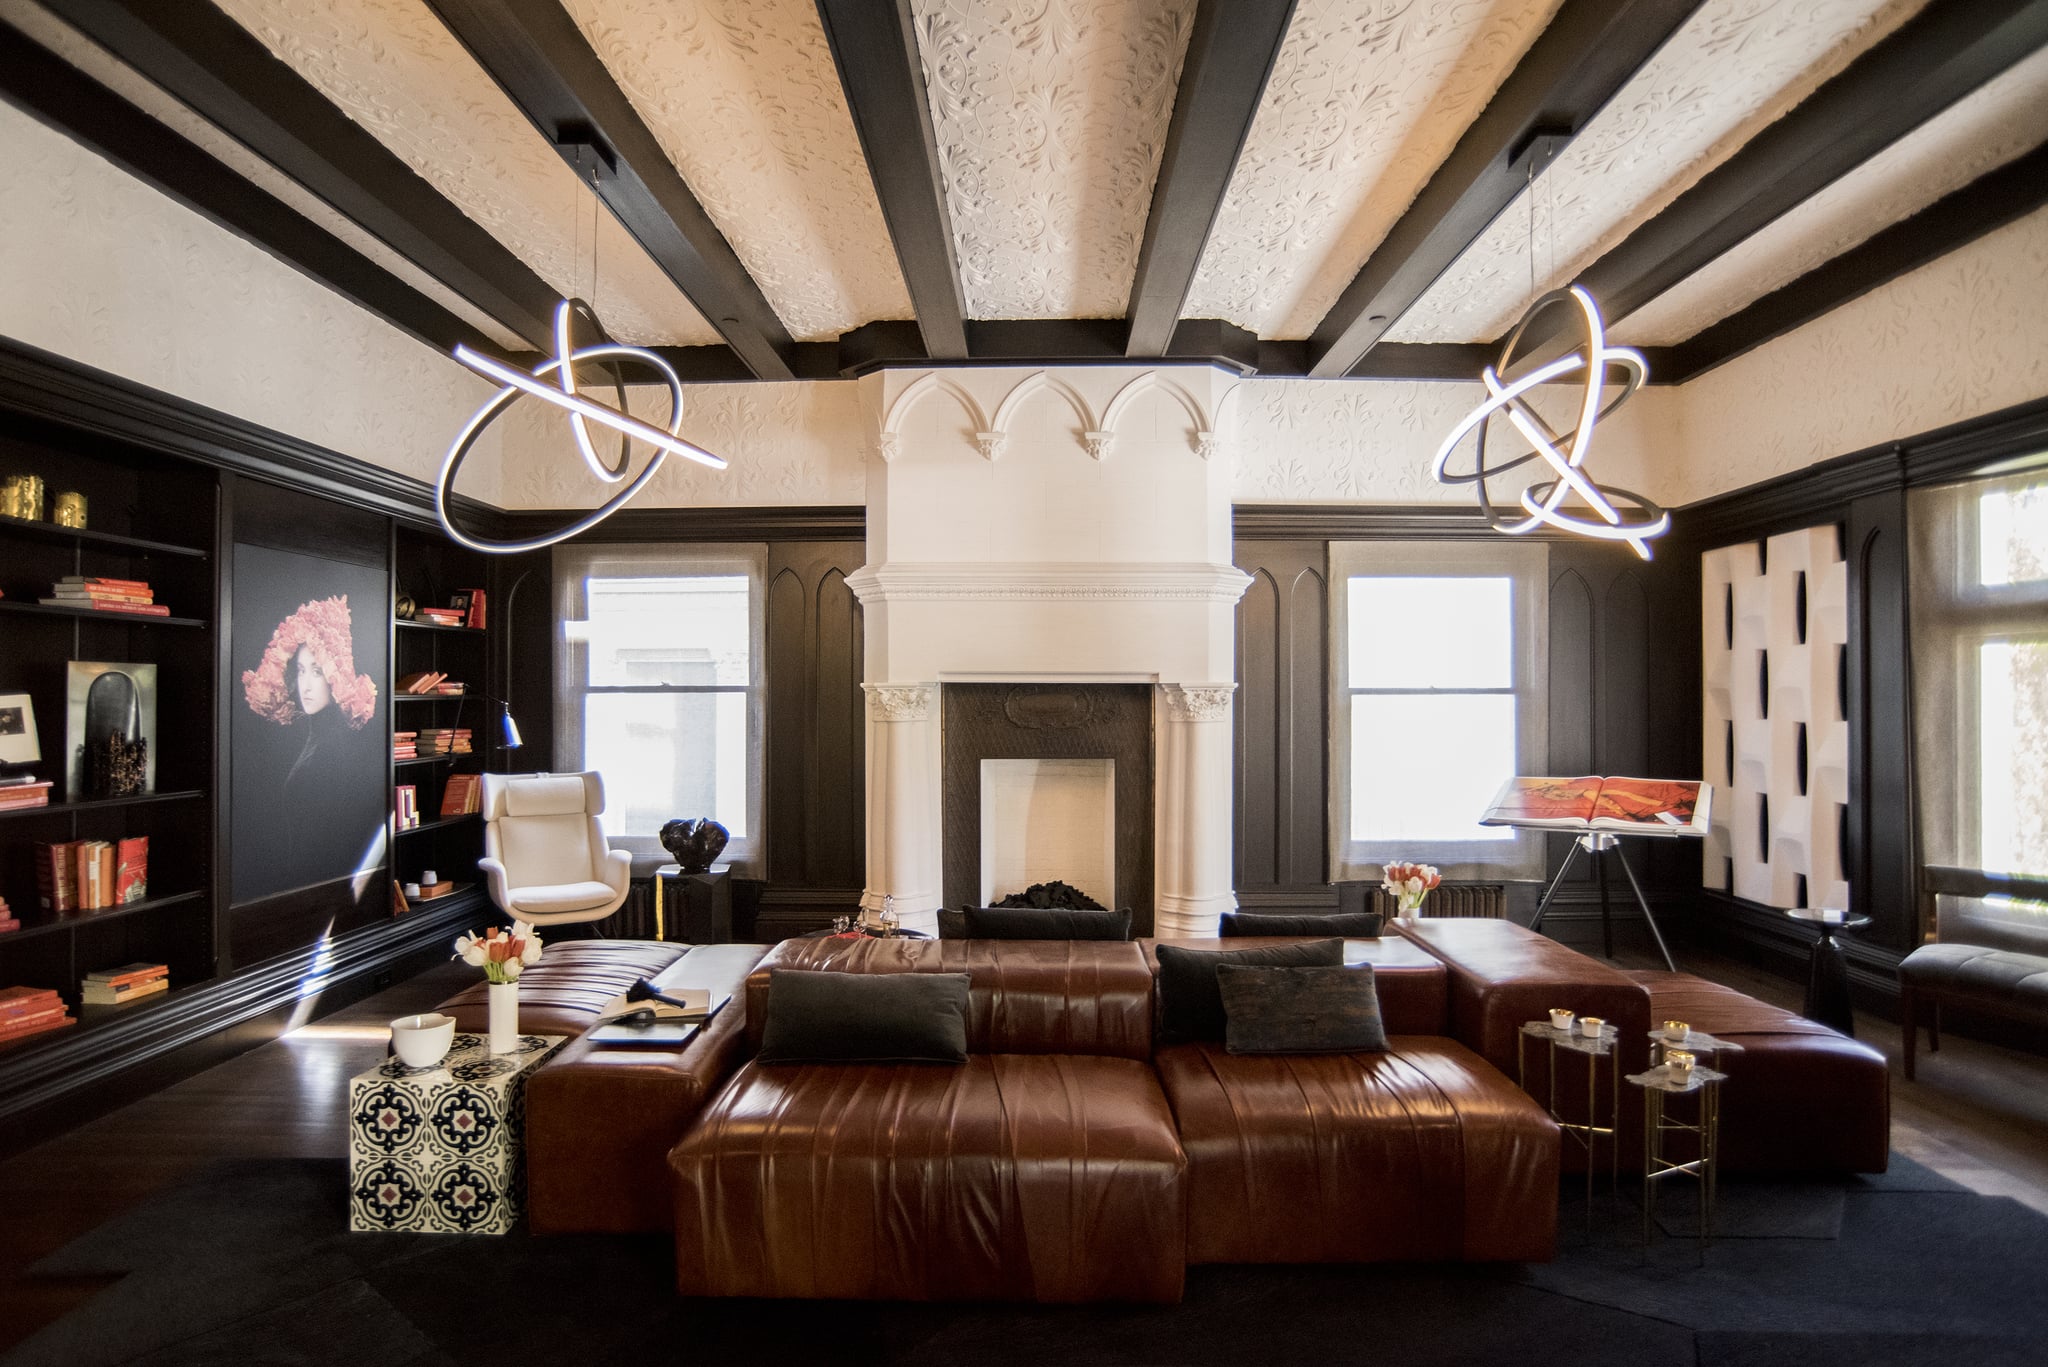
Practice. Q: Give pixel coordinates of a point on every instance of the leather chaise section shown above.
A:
(562, 994)
(1045, 1177)
(1410, 982)
(1422, 1153)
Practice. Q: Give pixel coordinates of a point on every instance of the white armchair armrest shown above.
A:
(617, 870)
(494, 878)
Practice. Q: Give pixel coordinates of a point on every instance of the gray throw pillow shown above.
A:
(824, 1017)
(1357, 925)
(1189, 1005)
(1301, 1010)
(1033, 923)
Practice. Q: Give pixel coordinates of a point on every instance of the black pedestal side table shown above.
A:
(1827, 969)
(693, 908)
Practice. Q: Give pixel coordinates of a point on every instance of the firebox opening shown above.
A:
(1047, 820)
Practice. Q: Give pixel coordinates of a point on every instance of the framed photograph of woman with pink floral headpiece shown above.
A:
(309, 734)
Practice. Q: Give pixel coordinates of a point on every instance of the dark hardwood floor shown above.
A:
(1978, 1113)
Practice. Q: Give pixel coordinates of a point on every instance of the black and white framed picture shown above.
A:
(308, 800)
(18, 730)
(109, 730)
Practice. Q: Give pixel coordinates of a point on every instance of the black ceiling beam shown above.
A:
(221, 71)
(874, 45)
(1231, 50)
(1928, 63)
(540, 59)
(1588, 52)
(1993, 200)
(54, 92)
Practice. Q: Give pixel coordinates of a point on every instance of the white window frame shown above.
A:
(574, 566)
(1526, 565)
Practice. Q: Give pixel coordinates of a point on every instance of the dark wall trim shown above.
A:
(1366, 522)
(706, 524)
(110, 1063)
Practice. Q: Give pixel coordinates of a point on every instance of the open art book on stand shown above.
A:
(1623, 806)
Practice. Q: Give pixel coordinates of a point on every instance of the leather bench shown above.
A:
(1423, 1153)
(1989, 978)
(1045, 1168)
(1801, 1098)
(599, 1121)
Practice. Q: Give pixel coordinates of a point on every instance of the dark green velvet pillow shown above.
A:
(1300, 1010)
(1357, 925)
(1188, 1005)
(824, 1017)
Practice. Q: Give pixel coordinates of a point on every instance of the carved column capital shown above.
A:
(900, 702)
(991, 444)
(888, 445)
(1198, 702)
(1099, 444)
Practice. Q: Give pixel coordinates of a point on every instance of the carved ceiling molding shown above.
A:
(1050, 118)
(1364, 103)
(1097, 435)
(1734, 68)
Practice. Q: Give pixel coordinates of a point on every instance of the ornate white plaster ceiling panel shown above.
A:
(117, 76)
(1736, 67)
(745, 100)
(1979, 133)
(1365, 101)
(1050, 117)
(394, 68)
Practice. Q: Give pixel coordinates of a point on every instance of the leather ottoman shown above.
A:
(1800, 1097)
(1423, 1153)
(1036, 1177)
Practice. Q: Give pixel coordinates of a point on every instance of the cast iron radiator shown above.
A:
(1453, 899)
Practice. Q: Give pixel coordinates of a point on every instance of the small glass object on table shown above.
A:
(1658, 1084)
(1589, 1132)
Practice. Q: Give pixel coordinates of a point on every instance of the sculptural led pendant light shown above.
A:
(554, 382)
(1608, 513)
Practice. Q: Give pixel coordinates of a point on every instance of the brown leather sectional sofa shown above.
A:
(1069, 1159)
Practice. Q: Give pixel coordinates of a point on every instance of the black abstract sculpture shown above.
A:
(695, 842)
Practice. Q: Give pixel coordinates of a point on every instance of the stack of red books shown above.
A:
(35, 793)
(8, 920)
(106, 595)
(405, 745)
(31, 1011)
(112, 986)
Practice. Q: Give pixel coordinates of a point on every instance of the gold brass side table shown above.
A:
(1658, 1085)
(1589, 1132)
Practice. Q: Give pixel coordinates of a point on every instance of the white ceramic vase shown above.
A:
(504, 1017)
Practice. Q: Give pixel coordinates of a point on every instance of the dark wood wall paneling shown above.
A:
(1605, 678)
(1863, 492)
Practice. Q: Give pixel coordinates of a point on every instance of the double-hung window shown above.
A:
(1439, 702)
(659, 654)
(1979, 570)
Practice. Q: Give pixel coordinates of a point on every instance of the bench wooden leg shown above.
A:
(1909, 1020)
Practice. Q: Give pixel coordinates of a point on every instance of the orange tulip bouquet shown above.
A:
(1410, 883)
(503, 956)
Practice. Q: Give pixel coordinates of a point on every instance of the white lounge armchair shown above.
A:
(545, 856)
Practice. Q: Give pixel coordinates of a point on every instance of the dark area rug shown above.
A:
(251, 1263)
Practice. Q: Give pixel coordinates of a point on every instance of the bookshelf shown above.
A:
(148, 521)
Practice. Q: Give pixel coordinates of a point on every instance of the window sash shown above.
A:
(1526, 565)
(573, 567)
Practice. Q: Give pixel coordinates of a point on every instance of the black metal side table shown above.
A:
(1827, 969)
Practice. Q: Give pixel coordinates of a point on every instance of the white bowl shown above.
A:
(422, 1041)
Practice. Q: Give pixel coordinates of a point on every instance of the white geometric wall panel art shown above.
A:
(1774, 718)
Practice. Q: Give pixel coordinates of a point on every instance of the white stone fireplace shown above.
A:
(1057, 527)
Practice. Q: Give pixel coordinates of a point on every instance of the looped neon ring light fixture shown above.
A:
(561, 391)
(1609, 513)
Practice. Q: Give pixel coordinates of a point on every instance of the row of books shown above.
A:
(106, 595)
(465, 609)
(29, 792)
(428, 683)
(113, 986)
(31, 1011)
(463, 795)
(8, 920)
(87, 875)
(442, 740)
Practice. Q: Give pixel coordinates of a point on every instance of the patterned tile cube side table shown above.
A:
(441, 1150)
